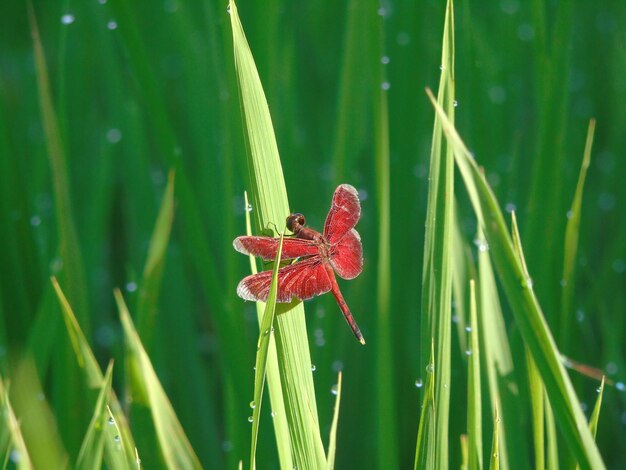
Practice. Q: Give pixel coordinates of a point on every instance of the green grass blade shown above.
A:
(524, 304)
(494, 461)
(595, 414)
(94, 378)
(153, 269)
(426, 449)
(69, 402)
(266, 332)
(474, 396)
(571, 247)
(174, 445)
(552, 453)
(271, 207)
(11, 438)
(332, 440)
(437, 269)
(272, 374)
(90, 454)
(535, 387)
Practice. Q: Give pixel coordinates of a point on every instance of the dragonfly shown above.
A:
(315, 257)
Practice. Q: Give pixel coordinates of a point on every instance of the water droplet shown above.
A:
(441, 67)
(249, 207)
(510, 207)
(68, 18)
(131, 286)
(138, 461)
(112, 25)
(525, 32)
(313, 368)
(495, 455)
(445, 385)
(569, 214)
(430, 368)
(419, 383)
(117, 439)
(468, 352)
(227, 446)
(385, 86)
(334, 389)
(468, 328)
(481, 244)
(563, 282)
(527, 282)
(114, 135)
(382, 11)
(250, 419)
(41, 396)
(111, 421)
(384, 60)
(580, 316)
(228, 9)
(620, 386)
(15, 456)
(266, 332)
(35, 221)
(102, 2)
(252, 404)
(455, 318)
(455, 103)
(619, 266)
(273, 414)
(337, 366)
(611, 368)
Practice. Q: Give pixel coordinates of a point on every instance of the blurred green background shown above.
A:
(142, 87)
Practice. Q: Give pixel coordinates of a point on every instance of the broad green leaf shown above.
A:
(524, 304)
(332, 440)
(266, 332)
(174, 446)
(271, 207)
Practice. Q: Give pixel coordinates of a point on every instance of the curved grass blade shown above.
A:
(271, 208)
(571, 246)
(332, 441)
(266, 332)
(595, 415)
(175, 447)
(94, 378)
(524, 304)
(153, 269)
(91, 451)
(474, 397)
(11, 439)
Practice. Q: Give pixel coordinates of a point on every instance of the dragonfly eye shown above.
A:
(295, 222)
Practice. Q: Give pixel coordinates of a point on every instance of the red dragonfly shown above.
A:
(317, 256)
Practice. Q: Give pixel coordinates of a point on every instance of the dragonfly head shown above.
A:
(295, 222)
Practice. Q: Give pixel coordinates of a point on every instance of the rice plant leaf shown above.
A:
(571, 246)
(94, 378)
(494, 461)
(270, 208)
(552, 442)
(92, 449)
(332, 441)
(437, 268)
(174, 445)
(595, 414)
(266, 332)
(535, 387)
(11, 439)
(524, 304)
(153, 269)
(474, 397)
(426, 449)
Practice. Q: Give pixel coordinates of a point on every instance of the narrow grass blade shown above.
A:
(332, 440)
(494, 461)
(68, 401)
(12, 444)
(595, 414)
(271, 207)
(426, 449)
(552, 442)
(94, 378)
(153, 269)
(474, 396)
(437, 269)
(90, 455)
(571, 247)
(524, 304)
(535, 387)
(266, 332)
(174, 445)
(462, 272)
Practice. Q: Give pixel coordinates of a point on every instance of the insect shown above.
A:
(317, 256)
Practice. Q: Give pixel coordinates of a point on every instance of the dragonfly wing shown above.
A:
(302, 280)
(266, 247)
(344, 213)
(347, 256)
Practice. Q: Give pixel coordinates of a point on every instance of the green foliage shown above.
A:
(102, 102)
